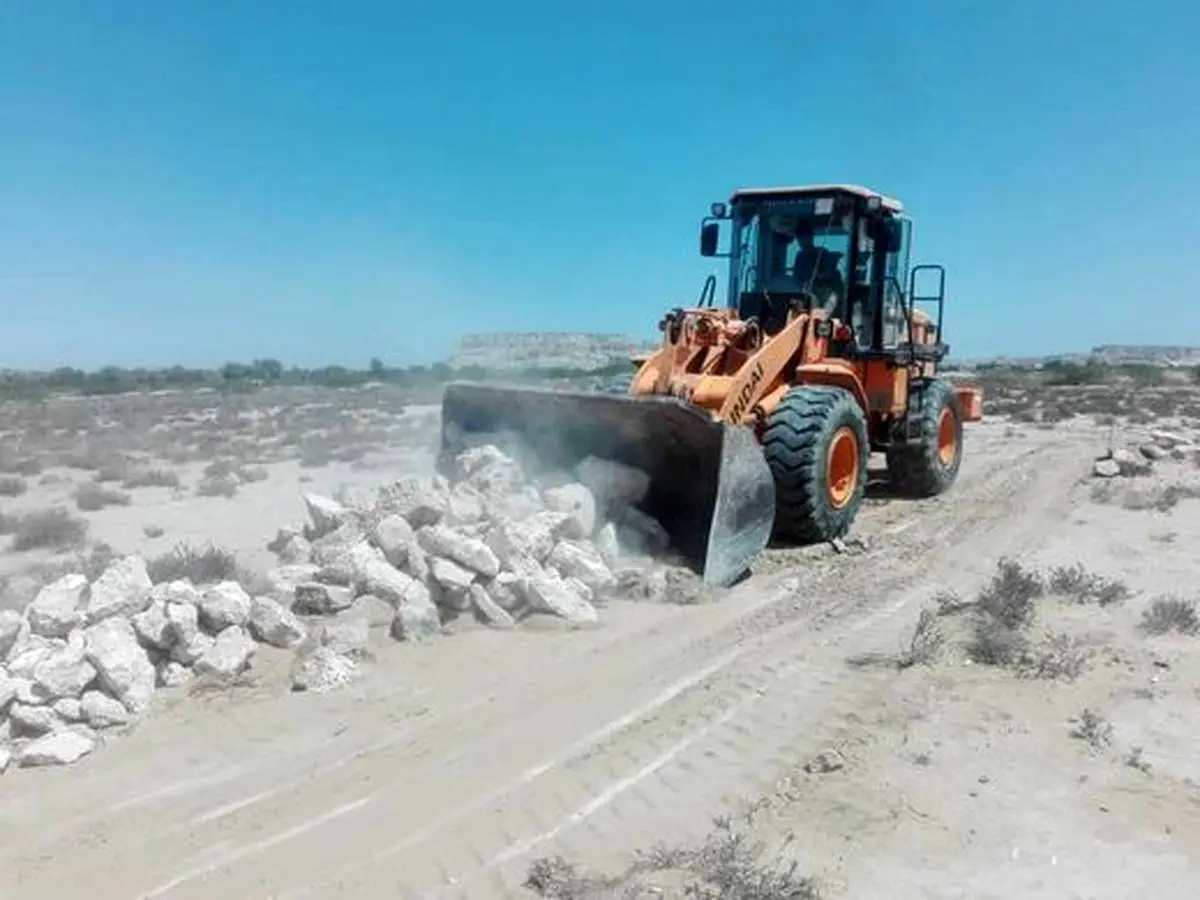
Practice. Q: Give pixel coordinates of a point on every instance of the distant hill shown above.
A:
(544, 350)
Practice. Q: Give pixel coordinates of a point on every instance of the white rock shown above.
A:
(548, 593)
(488, 609)
(63, 673)
(178, 591)
(58, 607)
(1106, 468)
(101, 711)
(576, 501)
(450, 575)
(223, 605)
(327, 515)
(1153, 452)
(10, 627)
(273, 624)
(394, 537)
(475, 459)
(489, 471)
(58, 749)
(580, 589)
(183, 619)
(153, 628)
(416, 620)
(121, 663)
(466, 506)
(522, 546)
(576, 560)
(506, 591)
(5, 758)
(322, 669)
(440, 540)
(1129, 463)
(283, 580)
(614, 485)
(422, 501)
(69, 709)
(291, 547)
(123, 590)
(229, 655)
(314, 599)
(452, 599)
(29, 650)
(175, 674)
(346, 636)
(328, 549)
(187, 652)
(33, 720)
(1168, 440)
(9, 688)
(391, 584)
(607, 543)
(27, 692)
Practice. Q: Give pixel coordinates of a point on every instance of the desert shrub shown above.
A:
(252, 474)
(12, 486)
(49, 529)
(91, 496)
(143, 478)
(1167, 614)
(1094, 729)
(996, 644)
(217, 486)
(1061, 658)
(26, 466)
(204, 566)
(1083, 586)
(1009, 597)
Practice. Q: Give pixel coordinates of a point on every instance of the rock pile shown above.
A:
(1161, 445)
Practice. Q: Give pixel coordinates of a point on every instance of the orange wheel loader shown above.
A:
(757, 419)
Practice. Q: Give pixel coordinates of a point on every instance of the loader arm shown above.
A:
(765, 372)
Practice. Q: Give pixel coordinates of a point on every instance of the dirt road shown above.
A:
(447, 767)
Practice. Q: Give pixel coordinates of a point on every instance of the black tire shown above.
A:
(923, 466)
(797, 442)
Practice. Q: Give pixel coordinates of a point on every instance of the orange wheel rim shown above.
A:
(947, 445)
(841, 470)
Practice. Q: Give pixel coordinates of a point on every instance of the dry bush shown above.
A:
(217, 486)
(995, 644)
(206, 566)
(1161, 498)
(1094, 729)
(91, 496)
(12, 486)
(1060, 658)
(26, 466)
(54, 529)
(949, 603)
(926, 641)
(727, 865)
(1009, 597)
(1167, 614)
(1083, 586)
(144, 478)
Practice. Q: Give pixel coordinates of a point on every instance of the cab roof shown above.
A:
(889, 203)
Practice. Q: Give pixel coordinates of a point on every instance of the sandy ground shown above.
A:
(448, 768)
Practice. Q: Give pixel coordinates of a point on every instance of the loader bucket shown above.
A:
(710, 486)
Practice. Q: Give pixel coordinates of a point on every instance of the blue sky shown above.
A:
(201, 181)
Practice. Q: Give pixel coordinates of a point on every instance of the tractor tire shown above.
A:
(815, 442)
(928, 463)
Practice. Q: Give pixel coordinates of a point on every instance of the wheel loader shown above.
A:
(756, 419)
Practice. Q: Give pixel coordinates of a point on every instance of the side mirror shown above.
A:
(709, 235)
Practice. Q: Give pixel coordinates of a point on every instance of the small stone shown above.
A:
(187, 652)
(123, 590)
(330, 548)
(549, 593)
(63, 673)
(315, 599)
(488, 609)
(33, 720)
(470, 553)
(224, 605)
(576, 501)
(450, 575)
(272, 623)
(58, 749)
(9, 688)
(283, 580)
(296, 549)
(29, 651)
(153, 628)
(101, 711)
(183, 621)
(58, 607)
(395, 538)
(1130, 464)
(825, 762)
(421, 501)
(229, 655)
(121, 663)
(377, 611)
(1106, 468)
(465, 506)
(577, 560)
(416, 621)
(505, 591)
(346, 636)
(327, 515)
(1153, 452)
(175, 674)
(69, 709)
(322, 669)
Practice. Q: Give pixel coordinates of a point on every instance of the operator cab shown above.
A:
(840, 248)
